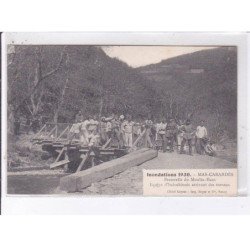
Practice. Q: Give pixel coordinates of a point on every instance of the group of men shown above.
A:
(93, 132)
(125, 132)
(183, 134)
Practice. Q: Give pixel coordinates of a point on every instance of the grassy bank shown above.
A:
(23, 153)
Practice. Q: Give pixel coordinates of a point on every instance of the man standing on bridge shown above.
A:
(148, 133)
(103, 134)
(161, 133)
(76, 127)
(116, 130)
(84, 131)
(93, 124)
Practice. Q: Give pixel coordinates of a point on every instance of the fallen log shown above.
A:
(77, 181)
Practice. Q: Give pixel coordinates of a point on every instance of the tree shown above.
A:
(28, 71)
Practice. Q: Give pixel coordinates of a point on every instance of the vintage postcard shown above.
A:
(122, 120)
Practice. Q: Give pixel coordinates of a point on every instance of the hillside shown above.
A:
(87, 79)
(202, 85)
(109, 85)
(54, 82)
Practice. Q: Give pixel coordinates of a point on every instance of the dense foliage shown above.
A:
(57, 81)
(201, 85)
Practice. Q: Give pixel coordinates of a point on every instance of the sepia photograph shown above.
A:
(131, 119)
(89, 119)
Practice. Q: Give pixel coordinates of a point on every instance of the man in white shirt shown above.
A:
(148, 126)
(161, 133)
(75, 129)
(108, 129)
(94, 139)
(84, 133)
(201, 136)
(122, 138)
(127, 129)
(93, 124)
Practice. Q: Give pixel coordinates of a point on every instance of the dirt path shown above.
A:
(130, 181)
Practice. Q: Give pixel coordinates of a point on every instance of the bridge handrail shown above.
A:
(58, 123)
(53, 129)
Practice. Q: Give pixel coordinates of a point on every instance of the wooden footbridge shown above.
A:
(97, 162)
(70, 153)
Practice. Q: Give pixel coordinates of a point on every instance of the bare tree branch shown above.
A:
(41, 77)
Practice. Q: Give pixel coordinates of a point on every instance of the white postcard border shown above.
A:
(135, 205)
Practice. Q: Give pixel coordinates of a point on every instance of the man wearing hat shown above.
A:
(187, 136)
(103, 136)
(161, 133)
(121, 118)
(201, 136)
(76, 127)
(148, 126)
(116, 130)
(84, 130)
(122, 137)
(93, 124)
(127, 128)
(171, 133)
(79, 117)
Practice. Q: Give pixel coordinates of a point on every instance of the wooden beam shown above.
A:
(56, 130)
(60, 154)
(92, 161)
(62, 123)
(107, 143)
(59, 163)
(83, 179)
(66, 165)
(139, 138)
(52, 131)
(84, 159)
(38, 133)
(63, 132)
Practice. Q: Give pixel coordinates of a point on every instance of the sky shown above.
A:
(136, 56)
